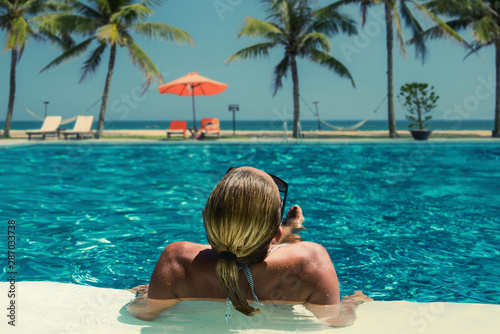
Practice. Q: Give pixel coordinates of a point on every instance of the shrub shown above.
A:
(418, 100)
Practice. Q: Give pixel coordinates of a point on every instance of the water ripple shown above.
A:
(398, 229)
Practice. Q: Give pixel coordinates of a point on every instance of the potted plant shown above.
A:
(418, 100)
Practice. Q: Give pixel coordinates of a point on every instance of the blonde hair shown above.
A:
(242, 216)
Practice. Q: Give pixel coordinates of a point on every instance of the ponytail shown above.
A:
(227, 273)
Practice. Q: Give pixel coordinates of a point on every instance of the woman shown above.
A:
(243, 260)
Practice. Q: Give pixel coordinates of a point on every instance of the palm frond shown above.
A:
(59, 23)
(86, 10)
(279, 72)
(478, 46)
(131, 14)
(329, 21)
(144, 63)
(456, 25)
(63, 41)
(364, 5)
(163, 32)
(453, 8)
(301, 17)
(412, 23)
(92, 63)
(4, 22)
(110, 34)
(325, 60)
(62, 38)
(485, 29)
(152, 3)
(257, 28)
(70, 53)
(485, 7)
(442, 29)
(399, 30)
(313, 41)
(25, 6)
(438, 31)
(261, 49)
(39, 7)
(338, 4)
(279, 11)
(6, 4)
(32, 33)
(105, 7)
(16, 35)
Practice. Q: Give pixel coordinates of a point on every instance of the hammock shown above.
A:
(64, 121)
(351, 128)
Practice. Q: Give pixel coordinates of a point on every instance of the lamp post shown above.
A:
(317, 114)
(234, 108)
(46, 102)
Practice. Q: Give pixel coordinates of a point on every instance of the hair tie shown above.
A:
(228, 255)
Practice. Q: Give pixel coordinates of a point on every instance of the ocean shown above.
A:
(273, 125)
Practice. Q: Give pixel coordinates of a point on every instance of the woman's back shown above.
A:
(290, 274)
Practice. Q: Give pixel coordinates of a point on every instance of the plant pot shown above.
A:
(421, 134)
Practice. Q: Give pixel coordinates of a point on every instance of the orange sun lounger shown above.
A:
(210, 125)
(177, 127)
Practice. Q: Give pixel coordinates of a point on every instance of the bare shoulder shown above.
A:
(181, 249)
(171, 268)
(309, 254)
(309, 259)
(317, 268)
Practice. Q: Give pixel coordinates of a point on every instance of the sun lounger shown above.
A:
(210, 125)
(49, 127)
(177, 127)
(82, 128)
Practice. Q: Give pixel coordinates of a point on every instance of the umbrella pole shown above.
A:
(194, 118)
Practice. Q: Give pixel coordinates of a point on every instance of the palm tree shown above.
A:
(393, 17)
(302, 32)
(483, 18)
(16, 18)
(111, 23)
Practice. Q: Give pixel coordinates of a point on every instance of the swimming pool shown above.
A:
(417, 222)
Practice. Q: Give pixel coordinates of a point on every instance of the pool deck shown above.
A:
(49, 307)
(159, 137)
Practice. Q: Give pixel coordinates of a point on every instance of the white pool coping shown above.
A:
(49, 307)
(11, 143)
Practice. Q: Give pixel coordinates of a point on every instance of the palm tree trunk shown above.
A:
(12, 93)
(296, 96)
(102, 114)
(496, 129)
(390, 83)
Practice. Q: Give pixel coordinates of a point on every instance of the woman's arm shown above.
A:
(144, 308)
(324, 300)
(338, 315)
(160, 294)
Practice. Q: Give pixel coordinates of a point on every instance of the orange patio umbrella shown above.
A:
(193, 84)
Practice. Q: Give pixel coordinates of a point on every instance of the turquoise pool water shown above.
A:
(419, 222)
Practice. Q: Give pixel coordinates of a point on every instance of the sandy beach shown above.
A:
(245, 135)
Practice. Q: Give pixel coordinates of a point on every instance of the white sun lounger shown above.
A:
(82, 128)
(49, 127)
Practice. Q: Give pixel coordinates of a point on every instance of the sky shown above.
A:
(465, 87)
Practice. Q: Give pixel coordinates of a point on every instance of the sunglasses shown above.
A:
(282, 187)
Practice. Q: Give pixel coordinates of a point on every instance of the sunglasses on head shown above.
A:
(282, 187)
